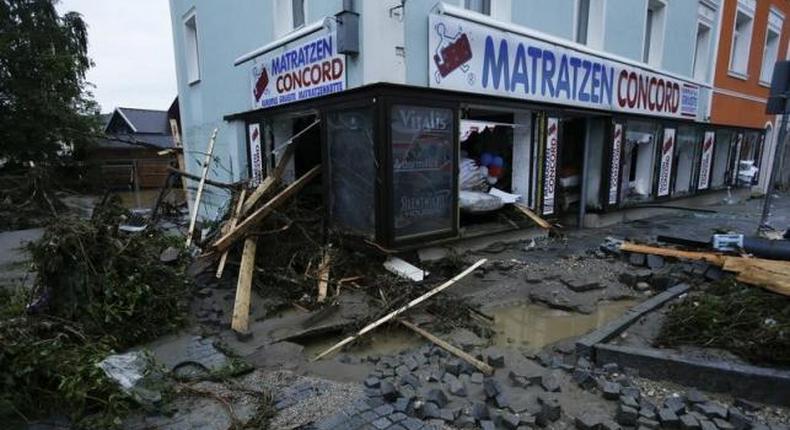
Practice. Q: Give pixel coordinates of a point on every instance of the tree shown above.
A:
(45, 105)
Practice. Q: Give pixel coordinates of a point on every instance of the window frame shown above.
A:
(191, 46)
(596, 20)
(465, 4)
(766, 70)
(749, 11)
(653, 48)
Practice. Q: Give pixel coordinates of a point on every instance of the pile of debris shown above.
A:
(26, 200)
(98, 290)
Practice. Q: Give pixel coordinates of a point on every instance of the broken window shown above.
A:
(423, 170)
(721, 157)
(686, 150)
(639, 154)
(352, 170)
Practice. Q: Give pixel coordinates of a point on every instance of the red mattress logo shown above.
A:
(668, 145)
(261, 84)
(452, 52)
(708, 143)
(255, 134)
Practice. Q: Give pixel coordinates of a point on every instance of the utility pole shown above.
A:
(779, 104)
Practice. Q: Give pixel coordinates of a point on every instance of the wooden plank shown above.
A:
(323, 276)
(710, 257)
(182, 165)
(201, 184)
(261, 213)
(270, 181)
(533, 216)
(231, 224)
(767, 280)
(402, 309)
(217, 184)
(483, 367)
(241, 306)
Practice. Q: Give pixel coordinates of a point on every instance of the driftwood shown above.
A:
(483, 367)
(201, 184)
(402, 309)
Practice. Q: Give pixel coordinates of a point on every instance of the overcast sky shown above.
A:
(132, 45)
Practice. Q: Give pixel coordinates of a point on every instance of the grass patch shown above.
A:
(750, 322)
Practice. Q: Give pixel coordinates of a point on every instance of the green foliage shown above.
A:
(102, 291)
(745, 320)
(44, 105)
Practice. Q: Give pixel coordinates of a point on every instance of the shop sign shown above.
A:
(256, 157)
(614, 176)
(550, 172)
(665, 169)
(299, 72)
(466, 56)
(705, 164)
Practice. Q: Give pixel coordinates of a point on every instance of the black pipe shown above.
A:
(766, 248)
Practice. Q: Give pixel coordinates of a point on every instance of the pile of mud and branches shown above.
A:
(98, 291)
(27, 199)
(295, 244)
(750, 322)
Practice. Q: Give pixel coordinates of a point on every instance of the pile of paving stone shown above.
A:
(430, 385)
(692, 411)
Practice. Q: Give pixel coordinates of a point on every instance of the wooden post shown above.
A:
(201, 184)
(179, 154)
(323, 276)
(231, 224)
(485, 368)
(402, 309)
(241, 307)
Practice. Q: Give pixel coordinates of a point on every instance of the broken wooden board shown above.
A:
(483, 367)
(402, 309)
(270, 181)
(231, 224)
(533, 216)
(264, 211)
(201, 184)
(323, 276)
(241, 306)
(710, 257)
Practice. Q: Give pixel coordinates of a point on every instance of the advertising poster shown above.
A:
(256, 155)
(614, 172)
(665, 168)
(705, 164)
(550, 172)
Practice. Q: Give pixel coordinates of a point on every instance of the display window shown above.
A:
(638, 162)
(749, 161)
(687, 152)
(725, 141)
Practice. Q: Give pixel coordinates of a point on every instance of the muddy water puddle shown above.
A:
(384, 341)
(535, 326)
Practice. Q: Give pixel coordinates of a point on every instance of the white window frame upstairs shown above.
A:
(775, 24)
(595, 25)
(747, 8)
(465, 4)
(191, 47)
(283, 16)
(701, 60)
(653, 51)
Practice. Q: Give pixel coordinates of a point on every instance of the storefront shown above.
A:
(506, 118)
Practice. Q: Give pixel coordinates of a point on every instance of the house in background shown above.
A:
(128, 157)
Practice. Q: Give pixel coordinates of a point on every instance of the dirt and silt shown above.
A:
(520, 312)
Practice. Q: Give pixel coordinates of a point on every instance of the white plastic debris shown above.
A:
(405, 269)
(133, 372)
(505, 197)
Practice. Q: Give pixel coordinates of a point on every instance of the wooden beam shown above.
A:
(241, 306)
(270, 181)
(533, 216)
(261, 213)
(231, 224)
(201, 184)
(197, 178)
(323, 276)
(710, 257)
(182, 165)
(402, 309)
(483, 367)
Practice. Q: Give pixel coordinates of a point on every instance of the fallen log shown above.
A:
(710, 257)
(402, 309)
(483, 367)
(261, 213)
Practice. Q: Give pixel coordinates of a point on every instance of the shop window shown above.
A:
(742, 37)
(423, 171)
(352, 170)
(725, 139)
(191, 49)
(771, 49)
(687, 147)
(639, 154)
(653, 49)
(748, 163)
(589, 23)
(479, 6)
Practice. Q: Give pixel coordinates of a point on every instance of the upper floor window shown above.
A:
(191, 51)
(297, 12)
(288, 16)
(701, 61)
(479, 6)
(771, 49)
(653, 49)
(742, 37)
(589, 23)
